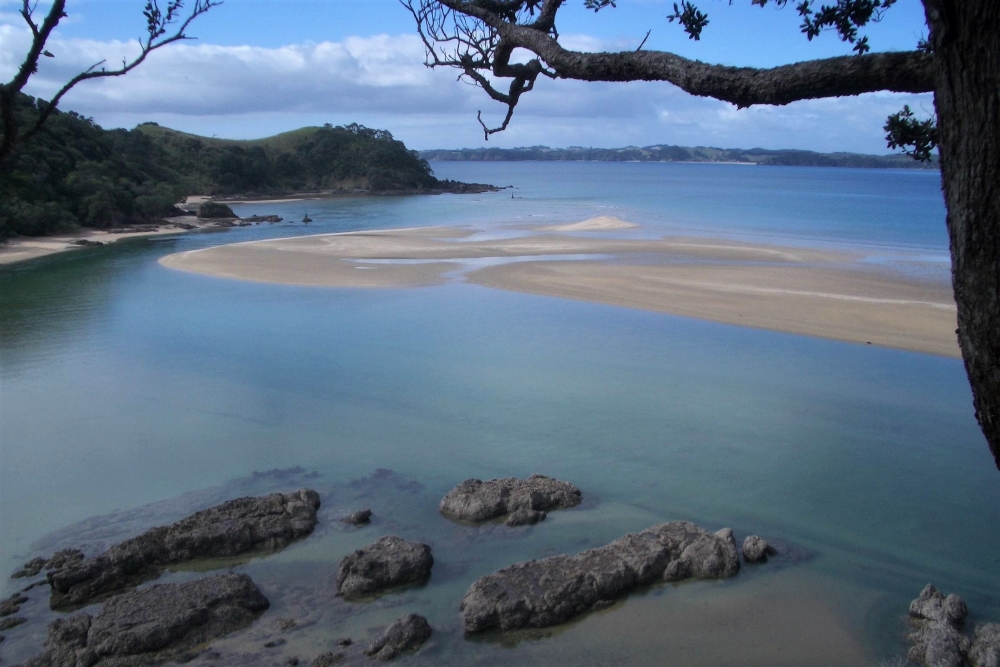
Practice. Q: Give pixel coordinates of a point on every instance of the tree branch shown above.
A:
(157, 22)
(909, 72)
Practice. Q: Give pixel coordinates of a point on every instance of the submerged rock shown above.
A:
(150, 626)
(12, 604)
(386, 563)
(359, 518)
(327, 659)
(235, 527)
(406, 634)
(12, 622)
(985, 651)
(540, 593)
(475, 500)
(756, 548)
(524, 517)
(937, 621)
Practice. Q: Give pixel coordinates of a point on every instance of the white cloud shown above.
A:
(381, 81)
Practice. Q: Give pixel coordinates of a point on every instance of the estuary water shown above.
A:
(131, 394)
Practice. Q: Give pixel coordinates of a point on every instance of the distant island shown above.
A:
(77, 174)
(666, 153)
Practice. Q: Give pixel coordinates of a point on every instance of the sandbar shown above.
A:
(601, 223)
(809, 291)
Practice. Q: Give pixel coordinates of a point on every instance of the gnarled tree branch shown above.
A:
(518, 26)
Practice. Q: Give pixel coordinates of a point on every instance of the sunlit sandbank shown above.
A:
(815, 292)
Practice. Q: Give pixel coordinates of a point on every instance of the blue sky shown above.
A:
(264, 66)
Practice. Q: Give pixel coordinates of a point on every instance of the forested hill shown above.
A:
(665, 153)
(74, 173)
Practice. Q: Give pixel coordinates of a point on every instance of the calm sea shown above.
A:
(131, 394)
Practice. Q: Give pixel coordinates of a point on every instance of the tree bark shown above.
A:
(965, 35)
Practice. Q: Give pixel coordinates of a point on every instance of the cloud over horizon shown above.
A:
(381, 81)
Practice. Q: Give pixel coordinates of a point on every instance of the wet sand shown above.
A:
(814, 292)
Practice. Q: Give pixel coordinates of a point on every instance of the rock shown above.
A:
(476, 501)
(286, 623)
(359, 518)
(292, 662)
(214, 209)
(933, 606)
(390, 561)
(540, 593)
(184, 225)
(263, 218)
(407, 634)
(936, 638)
(322, 660)
(524, 517)
(756, 548)
(86, 243)
(12, 604)
(235, 527)
(30, 569)
(153, 625)
(275, 643)
(63, 558)
(12, 622)
(985, 651)
(346, 641)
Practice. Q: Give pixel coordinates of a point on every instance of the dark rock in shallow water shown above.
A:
(230, 529)
(327, 659)
(524, 517)
(406, 634)
(160, 623)
(359, 518)
(389, 562)
(540, 593)
(985, 651)
(12, 622)
(12, 604)
(756, 549)
(214, 209)
(936, 638)
(476, 501)
(30, 569)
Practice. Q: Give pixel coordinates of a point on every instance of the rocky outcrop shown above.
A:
(756, 549)
(359, 518)
(263, 218)
(235, 527)
(407, 634)
(540, 593)
(12, 604)
(214, 209)
(985, 651)
(160, 623)
(937, 622)
(389, 562)
(476, 501)
(58, 560)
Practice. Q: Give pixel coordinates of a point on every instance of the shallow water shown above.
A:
(125, 383)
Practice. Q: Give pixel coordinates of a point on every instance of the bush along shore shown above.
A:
(164, 622)
(75, 174)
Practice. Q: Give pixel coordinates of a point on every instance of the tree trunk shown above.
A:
(965, 35)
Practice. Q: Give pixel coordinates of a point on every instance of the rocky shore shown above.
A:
(525, 501)
(540, 593)
(153, 625)
(937, 638)
(233, 528)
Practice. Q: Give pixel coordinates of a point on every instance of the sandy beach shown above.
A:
(23, 248)
(813, 292)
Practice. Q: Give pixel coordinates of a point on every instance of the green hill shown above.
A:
(76, 174)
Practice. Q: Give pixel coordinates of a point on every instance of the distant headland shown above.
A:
(667, 153)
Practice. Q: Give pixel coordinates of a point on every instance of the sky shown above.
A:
(260, 67)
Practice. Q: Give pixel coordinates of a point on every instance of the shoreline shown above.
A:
(807, 291)
(26, 248)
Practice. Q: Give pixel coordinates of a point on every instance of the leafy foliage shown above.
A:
(917, 138)
(77, 174)
(690, 18)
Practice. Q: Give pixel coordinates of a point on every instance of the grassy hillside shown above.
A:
(77, 174)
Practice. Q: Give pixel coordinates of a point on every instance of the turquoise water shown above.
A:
(125, 383)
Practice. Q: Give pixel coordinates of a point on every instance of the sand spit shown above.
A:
(602, 223)
(815, 292)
